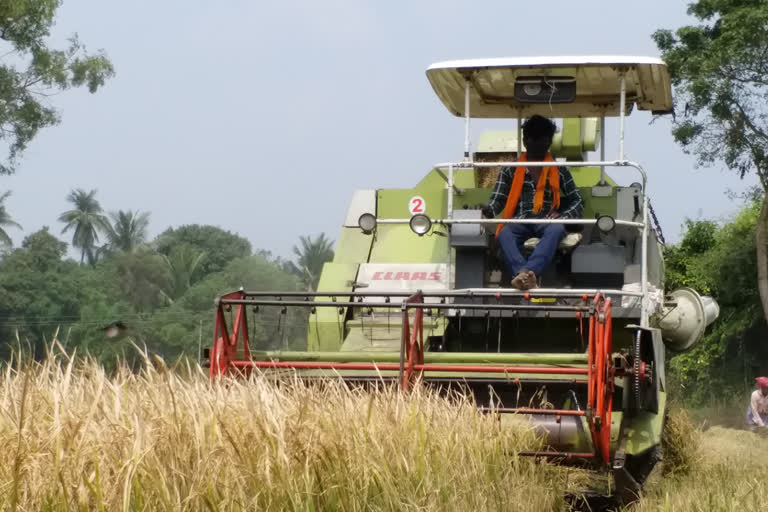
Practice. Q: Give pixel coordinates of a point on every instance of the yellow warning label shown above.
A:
(544, 300)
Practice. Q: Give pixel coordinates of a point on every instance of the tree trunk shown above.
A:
(762, 255)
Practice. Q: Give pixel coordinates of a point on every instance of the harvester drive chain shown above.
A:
(636, 377)
(656, 225)
(641, 373)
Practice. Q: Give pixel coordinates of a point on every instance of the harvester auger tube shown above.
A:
(413, 365)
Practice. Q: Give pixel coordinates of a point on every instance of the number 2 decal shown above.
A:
(417, 205)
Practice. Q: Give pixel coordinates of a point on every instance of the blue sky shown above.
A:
(264, 117)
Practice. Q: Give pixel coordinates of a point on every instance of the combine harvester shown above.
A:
(416, 293)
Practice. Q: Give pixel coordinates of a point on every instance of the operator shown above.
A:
(757, 413)
(533, 193)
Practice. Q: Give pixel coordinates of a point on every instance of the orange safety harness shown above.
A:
(516, 189)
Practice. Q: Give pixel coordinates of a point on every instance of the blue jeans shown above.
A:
(513, 236)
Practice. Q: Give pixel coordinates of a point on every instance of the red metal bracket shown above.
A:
(224, 352)
(601, 376)
(412, 346)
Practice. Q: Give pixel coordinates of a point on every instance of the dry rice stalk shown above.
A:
(159, 441)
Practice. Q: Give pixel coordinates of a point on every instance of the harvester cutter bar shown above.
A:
(531, 410)
(600, 370)
(564, 455)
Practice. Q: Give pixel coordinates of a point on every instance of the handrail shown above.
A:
(450, 221)
(468, 293)
(452, 166)
(513, 163)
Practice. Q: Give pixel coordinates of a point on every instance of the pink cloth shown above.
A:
(762, 382)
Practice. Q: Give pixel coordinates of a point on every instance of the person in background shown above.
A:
(757, 413)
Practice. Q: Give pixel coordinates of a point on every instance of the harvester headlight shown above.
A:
(532, 89)
(367, 223)
(420, 224)
(606, 223)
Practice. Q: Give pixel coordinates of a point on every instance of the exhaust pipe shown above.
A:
(685, 318)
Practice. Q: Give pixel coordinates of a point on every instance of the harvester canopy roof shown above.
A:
(551, 86)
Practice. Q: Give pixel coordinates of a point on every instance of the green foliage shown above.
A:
(165, 300)
(35, 284)
(680, 261)
(87, 220)
(721, 261)
(718, 68)
(312, 255)
(141, 276)
(6, 221)
(219, 246)
(36, 71)
(183, 267)
(128, 231)
(178, 328)
(44, 250)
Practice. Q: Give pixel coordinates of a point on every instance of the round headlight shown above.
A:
(367, 223)
(606, 223)
(532, 89)
(420, 224)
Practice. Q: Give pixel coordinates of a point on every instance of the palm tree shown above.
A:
(183, 264)
(129, 230)
(6, 221)
(87, 220)
(312, 255)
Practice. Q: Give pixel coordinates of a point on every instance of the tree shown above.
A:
(44, 250)
(183, 267)
(312, 255)
(31, 72)
(269, 327)
(6, 221)
(219, 246)
(141, 277)
(719, 69)
(87, 220)
(37, 290)
(129, 230)
(720, 261)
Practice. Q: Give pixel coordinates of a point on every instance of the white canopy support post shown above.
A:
(622, 112)
(450, 216)
(644, 261)
(602, 149)
(519, 133)
(466, 121)
(450, 191)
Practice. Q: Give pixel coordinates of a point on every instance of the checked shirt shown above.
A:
(571, 203)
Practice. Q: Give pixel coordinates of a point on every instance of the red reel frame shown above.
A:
(600, 377)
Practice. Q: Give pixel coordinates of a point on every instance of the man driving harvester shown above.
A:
(533, 193)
